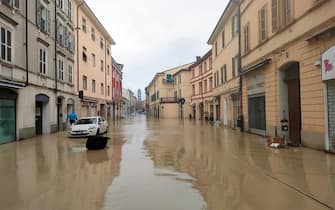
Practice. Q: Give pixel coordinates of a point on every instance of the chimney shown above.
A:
(198, 58)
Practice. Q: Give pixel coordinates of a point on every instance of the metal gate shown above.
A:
(331, 114)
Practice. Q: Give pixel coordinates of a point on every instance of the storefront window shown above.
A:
(7, 120)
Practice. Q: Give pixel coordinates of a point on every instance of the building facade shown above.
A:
(94, 63)
(202, 88)
(37, 53)
(116, 89)
(282, 47)
(226, 58)
(183, 92)
(162, 100)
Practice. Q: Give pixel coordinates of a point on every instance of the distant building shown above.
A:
(162, 93)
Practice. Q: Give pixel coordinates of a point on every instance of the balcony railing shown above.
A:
(168, 81)
(169, 100)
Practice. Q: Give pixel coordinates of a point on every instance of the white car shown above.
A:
(88, 126)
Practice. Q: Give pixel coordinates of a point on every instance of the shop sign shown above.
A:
(328, 64)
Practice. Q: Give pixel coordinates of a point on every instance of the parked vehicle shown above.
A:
(89, 126)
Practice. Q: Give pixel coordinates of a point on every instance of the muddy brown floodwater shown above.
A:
(164, 165)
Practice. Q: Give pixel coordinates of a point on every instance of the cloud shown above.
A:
(153, 35)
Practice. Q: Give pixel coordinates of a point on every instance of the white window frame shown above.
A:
(42, 63)
(70, 73)
(60, 69)
(8, 47)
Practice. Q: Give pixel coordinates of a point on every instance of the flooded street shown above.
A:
(164, 165)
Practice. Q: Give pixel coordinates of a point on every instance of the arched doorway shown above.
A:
(225, 112)
(7, 116)
(290, 102)
(42, 120)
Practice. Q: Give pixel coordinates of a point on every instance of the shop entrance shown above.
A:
(290, 103)
(7, 116)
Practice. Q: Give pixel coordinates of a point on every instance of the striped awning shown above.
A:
(12, 84)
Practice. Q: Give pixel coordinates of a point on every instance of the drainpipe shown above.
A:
(56, 84)
(27, 56)
(240, 65)
(78, 28)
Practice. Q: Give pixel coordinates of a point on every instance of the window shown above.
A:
(93, 34)
(193, 73)
(246, 39)
(42, 61)
(6, 45)
(216, 49)
(205, 86)
(262, 24)
(83, 24)
(108, 51)
(70, 74)
(61, 32)
(217, 78)
(93, 59)
(60, 69)
(101, 43)
(12, 3)
(275, 16)
(93, 86)
(43, 17)
(102, 88)
(108, 90)
(215, 84)
(200, 69)
(210, 63)
(102, 65)
(235, 26)
(210, 83)
(205, 66)
(193, 89)
(235, 63)
(69, 9)
(108, 72)
(84, 82)
(287, 10)
(222, 39)
(223, 74)
(61, 4)
(84, 54)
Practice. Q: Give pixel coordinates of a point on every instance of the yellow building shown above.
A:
(93, 62)
(202, 86)
(282, 44)
(225, 46)
(162, 93)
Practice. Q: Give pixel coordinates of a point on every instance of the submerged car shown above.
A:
(88, 126)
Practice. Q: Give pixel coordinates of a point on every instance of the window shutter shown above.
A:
(274, 15)
(48, 22)
(38, 13)
(17, 3)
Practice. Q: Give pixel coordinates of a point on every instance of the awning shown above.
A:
(11, 84)
(257, 66)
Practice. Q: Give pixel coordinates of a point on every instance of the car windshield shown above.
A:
(86, 121)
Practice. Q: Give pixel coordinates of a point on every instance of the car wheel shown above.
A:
(98, 131)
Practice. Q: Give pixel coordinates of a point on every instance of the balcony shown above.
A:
(167, 100)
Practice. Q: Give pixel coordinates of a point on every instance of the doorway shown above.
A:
(42, 110)
(290, 102)
(39, 118)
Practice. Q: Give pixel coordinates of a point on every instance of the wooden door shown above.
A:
(294, 112)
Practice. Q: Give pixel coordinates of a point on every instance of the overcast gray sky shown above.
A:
(155, 35)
